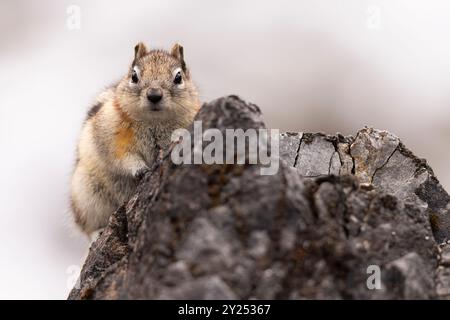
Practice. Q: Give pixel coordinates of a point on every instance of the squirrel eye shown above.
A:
(134, 77)
(178, 78)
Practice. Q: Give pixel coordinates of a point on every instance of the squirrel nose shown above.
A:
(154, 95)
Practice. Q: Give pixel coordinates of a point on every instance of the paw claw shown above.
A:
(141, 173)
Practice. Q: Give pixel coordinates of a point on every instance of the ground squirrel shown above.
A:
(126, 129)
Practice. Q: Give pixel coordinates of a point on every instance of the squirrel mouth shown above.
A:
(156, 107)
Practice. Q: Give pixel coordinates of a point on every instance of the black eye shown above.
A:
(134, 77)
(178, 78)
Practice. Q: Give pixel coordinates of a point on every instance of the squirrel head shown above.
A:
(158, 85)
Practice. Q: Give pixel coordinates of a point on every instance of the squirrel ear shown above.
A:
(140, 50)
(178, 52)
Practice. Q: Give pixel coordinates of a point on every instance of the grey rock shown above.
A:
(399, 177)
(409, 277)
(270, 282)
(335, 164)
(289, 145)
(443, 272)
(177, 272)
(317, 156)
(443, 283)
(445, 256)
(336, 206)
(258, 244)
(205, 288)
(345, 158)
(371, 150)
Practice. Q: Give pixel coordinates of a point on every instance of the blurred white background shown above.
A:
(310, 65)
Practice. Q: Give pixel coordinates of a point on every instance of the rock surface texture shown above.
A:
(337, 206)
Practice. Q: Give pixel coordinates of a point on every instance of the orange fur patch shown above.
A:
(125, 133)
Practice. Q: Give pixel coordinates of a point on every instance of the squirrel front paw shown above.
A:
(141, 173)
